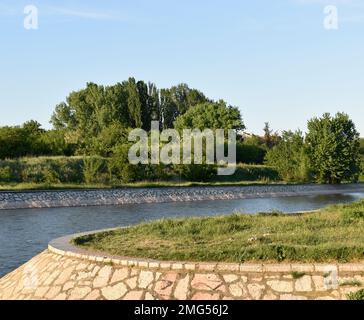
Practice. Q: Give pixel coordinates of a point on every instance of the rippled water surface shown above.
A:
(24, 233)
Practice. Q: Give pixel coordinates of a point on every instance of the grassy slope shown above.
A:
(333, 234)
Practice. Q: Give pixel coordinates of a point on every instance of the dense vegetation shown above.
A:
(89, 141)
(329, 153)
(333, 234)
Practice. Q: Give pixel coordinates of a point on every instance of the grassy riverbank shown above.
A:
(332, 234)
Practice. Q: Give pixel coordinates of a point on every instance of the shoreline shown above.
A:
(109, 197)
(65, 272)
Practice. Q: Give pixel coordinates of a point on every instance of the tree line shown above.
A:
(96, 121)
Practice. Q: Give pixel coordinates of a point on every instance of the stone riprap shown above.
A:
(77, 198)
(66, 273)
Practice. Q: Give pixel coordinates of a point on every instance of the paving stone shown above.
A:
(79, 293)
(132, 282)
(53, 292)
(119, 275)
(237, 290)
(281, 286)
(114, 292)
(205, 296)
(145, 279)
(303, 284)
(133, 295)
(206, 282)
(68, 285)
(292, 297)
(181, 291)
(256, 291)
(64, 276)
(102, 278)
(93, 295)
(230, 278)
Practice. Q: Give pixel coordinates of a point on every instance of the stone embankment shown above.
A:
(64, 272)
(77, 198)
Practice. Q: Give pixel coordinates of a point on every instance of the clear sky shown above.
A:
(273, 59)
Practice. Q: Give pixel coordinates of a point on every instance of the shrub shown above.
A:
(359, 295)
(289, 157)
(197, 172)
(249, 153)
(251, 173)
(95, 170)
(5, 174)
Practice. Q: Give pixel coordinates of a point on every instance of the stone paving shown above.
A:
(70, 198)
(59, 276)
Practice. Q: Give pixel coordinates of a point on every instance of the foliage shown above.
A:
(252, 173)
(362, 146)
(333, 148)
(289, 157)
(92, 113)
(358, 295)
(95, 170)
(43, 170)
(211, 116)
(271, 138)
(197, 172)
(250, 153)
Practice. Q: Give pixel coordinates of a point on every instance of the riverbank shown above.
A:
(99, 197)
(64, 272)
(69, 272)
(327, 235)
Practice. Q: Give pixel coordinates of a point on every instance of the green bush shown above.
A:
(249, 153)
(196, 172)
(359, 295)
(43, 170)
(289, 158)
(5, 174)
(252, 173)
(96, 170)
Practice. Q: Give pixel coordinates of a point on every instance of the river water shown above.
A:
(26, 232)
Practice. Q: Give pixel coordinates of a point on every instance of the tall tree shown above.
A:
(134, 104)
(211, 116)
(333, 147)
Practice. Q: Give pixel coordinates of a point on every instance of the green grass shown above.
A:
(359, 295)
(351, 283)
(332, 234)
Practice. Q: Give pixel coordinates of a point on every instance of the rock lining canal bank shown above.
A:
(83, 198)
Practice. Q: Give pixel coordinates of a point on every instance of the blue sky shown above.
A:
(273, 59)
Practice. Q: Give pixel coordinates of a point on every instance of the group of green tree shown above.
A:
(330, 152)
(96, 121)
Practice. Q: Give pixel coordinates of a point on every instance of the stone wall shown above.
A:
(77, 198)
(67, 273)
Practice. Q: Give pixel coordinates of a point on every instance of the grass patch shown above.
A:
(351, 283)
(324, 236)
(297, 275)
(359, 295)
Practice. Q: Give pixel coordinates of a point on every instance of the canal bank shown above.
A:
(84, 198)
(64, 272)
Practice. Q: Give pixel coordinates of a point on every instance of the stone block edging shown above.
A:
(63, 247)
(66, 272)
